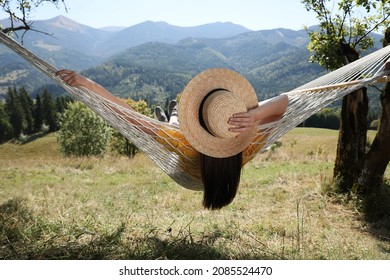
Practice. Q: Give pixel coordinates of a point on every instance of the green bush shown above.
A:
(82, 132)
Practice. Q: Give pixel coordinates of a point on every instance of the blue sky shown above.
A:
(253, 14)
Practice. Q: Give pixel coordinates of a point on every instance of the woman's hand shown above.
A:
(242, 122)
(75, 80)
(269, 110)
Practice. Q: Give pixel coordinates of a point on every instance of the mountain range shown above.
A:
(155, 60)
(62, 35)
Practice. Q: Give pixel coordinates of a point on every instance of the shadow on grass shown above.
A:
(24, 236)
(28, 138)
(33, 137)
(376, 207)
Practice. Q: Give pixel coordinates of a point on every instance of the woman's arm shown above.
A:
(267, 111)
(76, 80)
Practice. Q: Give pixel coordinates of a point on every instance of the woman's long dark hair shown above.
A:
(221, 177)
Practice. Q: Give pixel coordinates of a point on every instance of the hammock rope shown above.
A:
(304, 101)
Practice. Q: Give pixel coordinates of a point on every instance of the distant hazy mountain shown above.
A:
(68, 35)
(69, 44)
(163, 32)
(112, 28)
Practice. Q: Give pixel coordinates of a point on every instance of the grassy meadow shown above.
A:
(113, 207)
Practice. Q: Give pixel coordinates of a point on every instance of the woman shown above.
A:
(213, 148)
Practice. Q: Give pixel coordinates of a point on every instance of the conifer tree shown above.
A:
(5, 126)
(38, 114)
(49, 111)
(15, 112)
(28, 109)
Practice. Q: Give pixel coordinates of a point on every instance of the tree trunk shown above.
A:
(378, 157)
(352, 140)
(352, 133)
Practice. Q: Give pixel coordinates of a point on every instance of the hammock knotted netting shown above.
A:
(304, 101)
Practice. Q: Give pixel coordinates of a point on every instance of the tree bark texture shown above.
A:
(352, 133)
(378, 156)
(351, 145)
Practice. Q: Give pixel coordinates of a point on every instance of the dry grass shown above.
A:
(115, 208)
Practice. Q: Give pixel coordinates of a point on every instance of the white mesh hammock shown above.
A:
(303, 102)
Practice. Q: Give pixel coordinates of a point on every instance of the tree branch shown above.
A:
(25, 24)
(372, 29)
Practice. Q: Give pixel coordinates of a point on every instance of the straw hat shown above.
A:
(216, 94)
